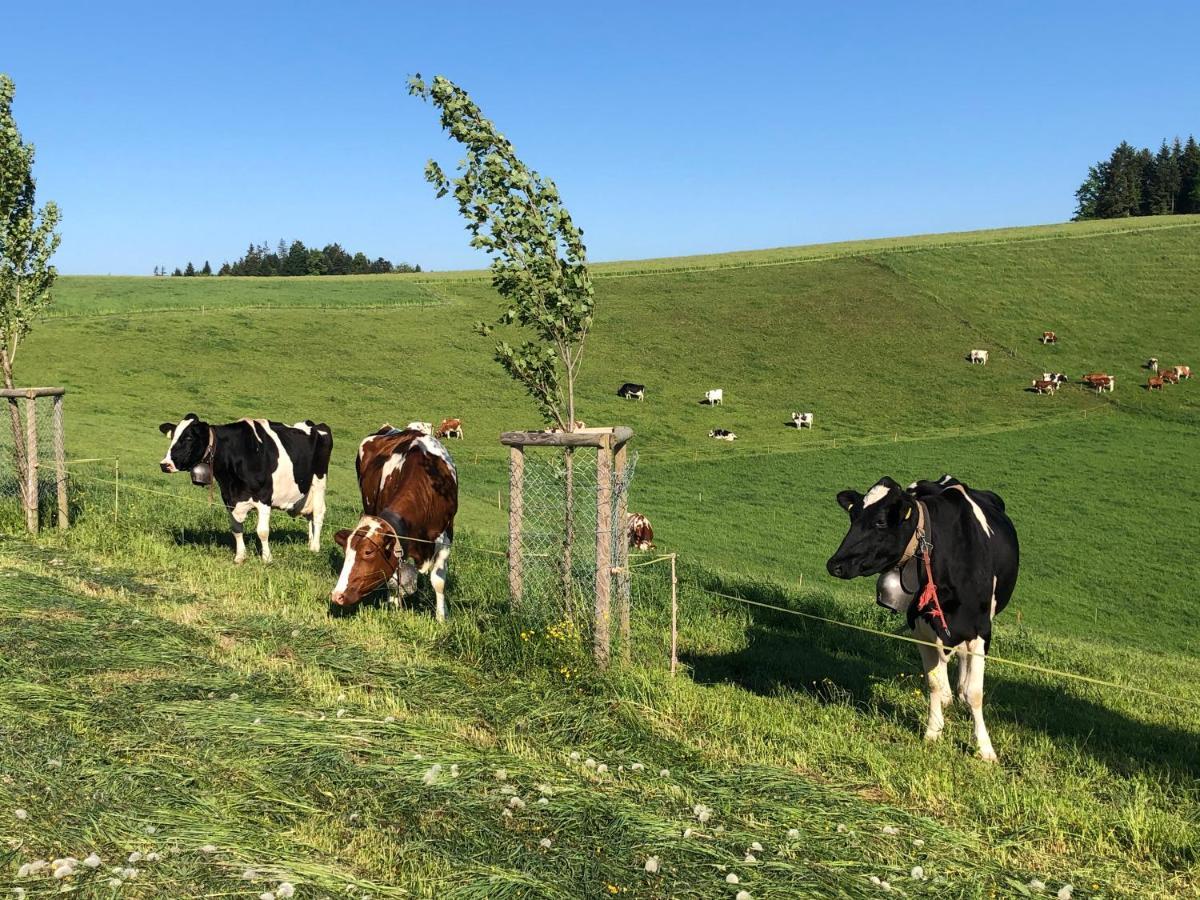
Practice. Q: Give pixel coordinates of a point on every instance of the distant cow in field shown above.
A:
(1169, 376)
(802, 420)
(1056, 377)
(1049, 337)
(259, 465)
(631, 391)
(409, 490)
(947, 556)
(1155, 383)
(1151, 364)
(425, 428)
(641, 535)
(1183, 371)
(450, 428)
(1044, 386)
(722, 434)
(715, 397)
(1100, 381)
(978, 356)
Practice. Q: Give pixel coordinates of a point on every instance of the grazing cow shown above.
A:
(978, 356)
(802, 420)
(641, 535)
(450, 428)
(1169, 376)
(426, 428)
(631, 391)
(1056, 377)
(947, 557)
(722, 435)
(715, 397)
(1183, 371)
(1152, 364)
(1100, 381)
(409, 490)
(1049, 337)
(1155, 383)
(259, 465)
(1044, 386)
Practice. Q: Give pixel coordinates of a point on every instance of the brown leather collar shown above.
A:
(918, 535)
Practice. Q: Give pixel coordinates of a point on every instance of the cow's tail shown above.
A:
(314, 502)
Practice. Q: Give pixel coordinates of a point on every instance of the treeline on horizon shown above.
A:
(296, 259)
(1134, 182)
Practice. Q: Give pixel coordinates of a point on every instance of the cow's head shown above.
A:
(881, 524)
(189, 442)
(372, 557)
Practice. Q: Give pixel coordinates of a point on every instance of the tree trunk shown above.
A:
(20, 459)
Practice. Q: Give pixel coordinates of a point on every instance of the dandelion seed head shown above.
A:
(234, 696)
(743, 895)
(652, 864)
(501, 774)
(432, 773)
(602, 768)
(841, 829)
(64, 871)
(115, 882)
(732, 878)
(720, 829)
(54, 764)
(135, 856)
(917, 873)
(23, 872)
(885, 885)
(590, 763)
(664, 773)
(341, 713)
(285, 889)
(152, 856)
(389, 719)
(341, 697)
(544, 843)
(516, 803)
(37, 865)
(250, 875)
(637, 767)
(542, 801)
(258, 721)
(21, 814)
(507, 789)
(875, 880)
(93, 861)
(889, 829)
(750, 858)
(267, 895)
(575, 756)
(756, 847)
(208, 848)
(793, 833)
(918, 843)
(295, 632)
(506, 813)
(1064, 892)
(1037, 884)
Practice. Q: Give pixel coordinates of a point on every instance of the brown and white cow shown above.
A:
(1100, 381)
(1169, 376)
(409, 492)
(450, 428)
(641, 535)
(1183, 371)
(1154, 383)
(1049, 337)
(1044, 386)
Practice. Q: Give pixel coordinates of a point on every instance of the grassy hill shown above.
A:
(783, 723)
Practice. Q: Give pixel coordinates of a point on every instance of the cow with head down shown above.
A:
(409, 490)
(947, 558)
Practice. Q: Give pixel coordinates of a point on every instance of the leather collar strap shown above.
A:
(917, 536)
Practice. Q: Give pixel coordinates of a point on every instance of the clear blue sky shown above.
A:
(170, 132)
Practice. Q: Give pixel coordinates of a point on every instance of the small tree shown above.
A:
(539, 262)
(27, 242)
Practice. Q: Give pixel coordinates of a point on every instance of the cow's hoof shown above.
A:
(314, 546)
(267, 559)
(988, 755)
(932, 736)
(238, 560)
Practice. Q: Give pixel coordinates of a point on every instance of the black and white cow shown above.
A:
(964, 538)
(258, 465)
(631, 391)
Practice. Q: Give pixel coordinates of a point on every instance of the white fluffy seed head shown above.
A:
(664, 773)
(21, 814)
(637, 767)
(249, 874)
(64, 871)
(1037, 884)
(750, 858)
(501, 774)
(793, 833)
(574, 756)
(602, 768)
(743, 895)
(917, 873)
(54, 764)
(544, 843)
(652, 864)
(756, 847)
(135, 856)
(687, 832)
(115, 882)
(93, 861)
(918, 843)
(1064, 892)
(590, 763)
(285, 890)
(731, 878)
(888, 829)
(267, 895)
(208, 848)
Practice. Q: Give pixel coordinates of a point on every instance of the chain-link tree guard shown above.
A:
(33, 478)
(568, 545)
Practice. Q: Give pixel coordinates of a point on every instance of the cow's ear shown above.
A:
(192, 416)
(847, 499)
(167, 428)
(342, 537)
(888, 482)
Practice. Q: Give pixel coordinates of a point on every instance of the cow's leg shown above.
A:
(264, 529)
(933, 662)
(237, 524)
(437, 575)
(317, 513)
(975, 651)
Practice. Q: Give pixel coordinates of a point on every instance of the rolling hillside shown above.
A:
(239, 715)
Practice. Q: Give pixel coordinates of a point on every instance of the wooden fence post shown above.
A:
(31, 468)
(674, 618)
(60, 463)
(601, 646)
(516, 509)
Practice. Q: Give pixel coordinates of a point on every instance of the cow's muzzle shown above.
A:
(167, 466)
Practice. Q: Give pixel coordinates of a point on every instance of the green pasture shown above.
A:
(123, 641)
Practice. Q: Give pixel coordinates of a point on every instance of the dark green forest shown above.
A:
(1134, 182)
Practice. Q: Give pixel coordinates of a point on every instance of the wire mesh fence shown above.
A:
(32, 442)
(559, 533)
